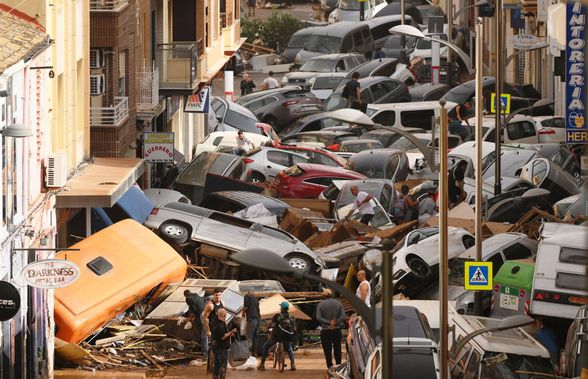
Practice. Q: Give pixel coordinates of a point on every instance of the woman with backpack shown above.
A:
(284, 331)
(405, 208)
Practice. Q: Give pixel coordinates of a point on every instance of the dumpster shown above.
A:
(512, 288)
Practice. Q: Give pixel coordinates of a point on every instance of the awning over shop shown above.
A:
(101, 184)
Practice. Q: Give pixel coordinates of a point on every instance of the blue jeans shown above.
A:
(220, 361)
(456, 127)
(271, 342)
(253, 333)
(204, 341)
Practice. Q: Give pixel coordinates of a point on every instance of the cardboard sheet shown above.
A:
(269, 307)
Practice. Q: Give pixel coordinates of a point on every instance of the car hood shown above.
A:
(300, 75)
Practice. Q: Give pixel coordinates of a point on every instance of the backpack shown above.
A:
(286, 328)
(345, 93)
(399, 209)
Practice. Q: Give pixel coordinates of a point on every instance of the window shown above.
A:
(516, 251)
(257, 104)
(346, 45)
(279, 157)
(391, 166)
(386, 69)
(379, 90)
(296, 159)
(217, 141)
(366, 34)
(491, 137)
(219, 108)
(539, 173)
(340, 67)
(497, 262)
(422, 118)
(319, 181)
(385, 118)
(573, 256)
(386, 197)
(556, 122)
(518, 130)
(366, 97)
(357, 39)
(571, 281)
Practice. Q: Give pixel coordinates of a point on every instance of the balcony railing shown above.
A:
(114, 115)
(107, 5)
(148, 97)
(226, 19)
(177, 65)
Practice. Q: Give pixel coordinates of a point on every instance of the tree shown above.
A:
(274, 32)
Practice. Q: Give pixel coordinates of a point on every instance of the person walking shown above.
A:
(364, 290)
(251, 8)
(247, 85)
(196, 305)
(362, 204)
(456, 116)
(209, 317)
(252, 315)
(220, 344)
(270, 82)
(352, 92)
(330, 315)
(379, 54)
(284, 331)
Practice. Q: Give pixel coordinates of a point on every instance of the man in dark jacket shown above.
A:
(330, 315)
(247, 85)
(220, 344)
(457, 115)
(251, 312)
(196, 304)
(352, 92)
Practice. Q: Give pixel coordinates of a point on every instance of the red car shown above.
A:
(307, 181)
(316, 155)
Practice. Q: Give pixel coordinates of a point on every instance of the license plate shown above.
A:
(509, 302)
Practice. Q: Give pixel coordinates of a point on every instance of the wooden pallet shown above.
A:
(255, 49)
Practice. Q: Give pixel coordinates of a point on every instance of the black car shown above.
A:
(381, 164)
(235, 201)
(309, 123)
(428, 91)
(395, 9)
(392, 46)
(387, 137)
(326, 137)
(375, 67)
(374, 90)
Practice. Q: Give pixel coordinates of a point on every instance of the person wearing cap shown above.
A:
(279, 323)
(330, 315)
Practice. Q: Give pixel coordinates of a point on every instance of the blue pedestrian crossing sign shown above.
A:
(504, 103)
(478, 275)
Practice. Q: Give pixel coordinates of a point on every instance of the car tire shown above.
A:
(173, 232)
(468, 241)
(300, 261)
(418, 266)
(257, 177)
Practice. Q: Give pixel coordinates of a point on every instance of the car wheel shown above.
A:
(468, 241)
(300, 262)
(257, 177)
(418, 266)
(173, 232)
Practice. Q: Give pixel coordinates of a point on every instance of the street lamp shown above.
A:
(17, 131)
(537, 46)
(411, 31)
(477, 4)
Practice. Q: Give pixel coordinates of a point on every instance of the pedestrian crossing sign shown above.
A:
(504, 103)
(478, 275)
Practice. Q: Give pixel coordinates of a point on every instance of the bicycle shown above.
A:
(279, 356)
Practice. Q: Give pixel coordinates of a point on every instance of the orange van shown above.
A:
(119, 266)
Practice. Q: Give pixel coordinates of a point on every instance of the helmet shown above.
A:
(284, 305)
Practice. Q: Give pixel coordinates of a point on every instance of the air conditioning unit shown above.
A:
(56, 175)
(97, 85)
(96, 58)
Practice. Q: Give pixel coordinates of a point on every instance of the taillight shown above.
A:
(560, 298)
(248, 160)
(546, 131)
(154, 211)
(290, 102)
(333, 147)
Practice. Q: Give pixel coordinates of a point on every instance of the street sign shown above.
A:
(198, 102)
(576, 128)
(504, 103)
(478, 275)
(50, 273)
(158, 147)
(524, 41)
(9, 301)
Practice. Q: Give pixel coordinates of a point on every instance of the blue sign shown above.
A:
(478, 275)
(198, 102)
(576, 129)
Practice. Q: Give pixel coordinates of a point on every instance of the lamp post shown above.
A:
(537, 46)
(479, 179)
(499, 85)
(408, 30)
(462, 10)
(443, 242)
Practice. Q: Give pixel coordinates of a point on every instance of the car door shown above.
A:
(516, 251)
(379, 92)
(392, 89)
(215, 118)
(277, 161)
(521, 132)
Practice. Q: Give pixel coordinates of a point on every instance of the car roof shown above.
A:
(490, 120)
(368, 67)
(409, 129)
(375, 155)
(568, 235)
(492, 244)
(250, 198)
(328, 169)
(414, 105)
(327, 132)
(238, 108)
(335, 56)
(417, 91)
(259, 94)
(358, 141)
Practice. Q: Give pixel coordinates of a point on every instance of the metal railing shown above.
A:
(200, 47)
(108, 5)
(148, 97)
(114, 115)
(177, 65)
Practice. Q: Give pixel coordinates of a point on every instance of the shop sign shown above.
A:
(576, 129)
(158, 147)
(50, 273)
(9, 301)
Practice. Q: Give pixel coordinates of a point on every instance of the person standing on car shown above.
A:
(457, 115)
(196, 305)
(362, 204)
(209, 316)
(270, 82)
(247, 85)
(244, 144)
(330, 315)
(352, 92)
(364, 290)
(220, 344)
(427, 207)
(284, 331)
(252, 315)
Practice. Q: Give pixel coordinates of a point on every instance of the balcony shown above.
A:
(176, 62)
(148, 96)
(108, 5)
(112, 116)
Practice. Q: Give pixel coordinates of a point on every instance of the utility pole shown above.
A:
(498, 15)
(449, 13)
(362, 10)
(479, 182)
(402, 36)
(443, 245)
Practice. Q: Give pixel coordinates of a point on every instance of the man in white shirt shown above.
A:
(270, 82)
(244, 144)
(364, 290)
(362, 204)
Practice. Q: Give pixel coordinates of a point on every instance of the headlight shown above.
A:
(284, 80)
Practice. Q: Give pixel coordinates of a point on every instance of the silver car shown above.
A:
(178, 222)
(266, 163)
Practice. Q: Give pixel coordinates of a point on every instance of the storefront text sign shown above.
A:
(576, 129)
(158, 147)
(9, 301)
(50, 273)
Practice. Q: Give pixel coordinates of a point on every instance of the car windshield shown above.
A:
(297, 41)
(516, 367)
(240, 121)
(327, 82)
(365, 167)
(425, 44)
(346, 197)
(207, 162)
(318, 65)
(459, 94)
(404, 144)
(323, 44)
(361, 146)
(349, 5)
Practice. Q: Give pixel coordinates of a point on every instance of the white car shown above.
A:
(418, 253)
(423, 48)
(266, 163)
(217, 139)
(521, 129)
(550, 128)
(348, 10)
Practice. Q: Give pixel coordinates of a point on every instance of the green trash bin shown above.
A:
(512, 288)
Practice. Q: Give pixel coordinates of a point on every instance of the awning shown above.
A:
(101, 184)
